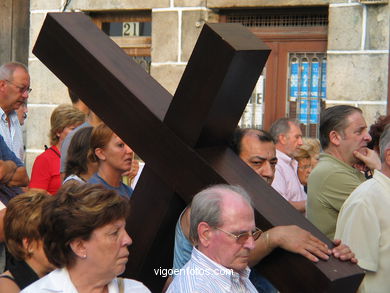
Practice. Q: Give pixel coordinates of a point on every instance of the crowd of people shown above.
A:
(63, 229)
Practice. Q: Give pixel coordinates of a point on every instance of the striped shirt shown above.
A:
(13, 135)
(203, 275)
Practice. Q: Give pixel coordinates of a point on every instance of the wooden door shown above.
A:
(285, 31)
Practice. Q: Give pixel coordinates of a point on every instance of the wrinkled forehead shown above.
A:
(20, 75)
(235, 208)
(252, 146)
(355, 120)
(294, 129)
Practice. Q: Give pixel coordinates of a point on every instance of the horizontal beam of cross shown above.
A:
(180, 162)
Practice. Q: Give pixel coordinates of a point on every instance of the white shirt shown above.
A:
(364, 225)
(13, 136)
(58, 281)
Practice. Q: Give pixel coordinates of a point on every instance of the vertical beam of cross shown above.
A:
(182, 140)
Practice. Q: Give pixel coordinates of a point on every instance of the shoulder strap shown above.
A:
(121, 286)
(7, 277)
(23, 274)
(55, 152)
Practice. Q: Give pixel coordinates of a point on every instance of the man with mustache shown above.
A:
(257, 149)
(344, 138)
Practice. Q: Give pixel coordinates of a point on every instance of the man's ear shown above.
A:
(387, 157)
(99, 152)
(282, 139)
(204, 234)
(335, 137)
(78, 247)
(2, 84)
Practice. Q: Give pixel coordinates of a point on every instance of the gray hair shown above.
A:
(281, 126)
(206, 207)
(7, 70)
(384, 142)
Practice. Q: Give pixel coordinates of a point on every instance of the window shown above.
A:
(131, 30)
(306, 89)
(292, 34)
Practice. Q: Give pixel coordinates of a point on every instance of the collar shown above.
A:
(3, 115)
(59, 281)
(225, 275)
(326, 156)
(381, 178)
(283, 157)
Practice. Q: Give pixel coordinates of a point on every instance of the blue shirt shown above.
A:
(6, 193)
(7, 155)
(12, 133)
(182, 248)
(123, 189)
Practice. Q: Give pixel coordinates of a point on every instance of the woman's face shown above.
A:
(117, 155)
(304, 170)
(61, 135)
(38, 260)
(314, 160)
(106, 250)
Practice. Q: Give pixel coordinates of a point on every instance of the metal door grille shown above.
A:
(279, 20)
(306, 89)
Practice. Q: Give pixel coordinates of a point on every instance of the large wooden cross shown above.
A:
(183, 140)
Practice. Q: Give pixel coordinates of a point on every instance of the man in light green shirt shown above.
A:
(344, 138)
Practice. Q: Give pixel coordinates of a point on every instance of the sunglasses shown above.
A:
(243, 237)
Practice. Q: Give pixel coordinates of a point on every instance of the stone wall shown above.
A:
(358, 47)
(48, 91)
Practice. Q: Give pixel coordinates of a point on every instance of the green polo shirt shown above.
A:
(329, 185)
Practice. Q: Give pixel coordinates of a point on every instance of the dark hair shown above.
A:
(334, 118)
(77, 162)
(21, 221)
(73, 96)
(281, 126)
(74, 213)
(240, 133)
(384, 141)
(376, 131)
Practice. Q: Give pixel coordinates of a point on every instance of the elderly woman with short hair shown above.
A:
(24, 242)
(83, 228)
(45, 174)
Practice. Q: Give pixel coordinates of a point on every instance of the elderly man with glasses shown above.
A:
(223, 228)
(14, 91)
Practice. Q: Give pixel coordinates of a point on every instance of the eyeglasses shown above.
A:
(243, 237)
(305, 167)
(22, 89)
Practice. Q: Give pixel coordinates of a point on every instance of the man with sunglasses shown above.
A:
(14, 91)
(257, 149)
(224, 232)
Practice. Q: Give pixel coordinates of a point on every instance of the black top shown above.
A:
(23, 274)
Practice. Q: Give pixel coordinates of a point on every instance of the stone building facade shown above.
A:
(356, 49)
